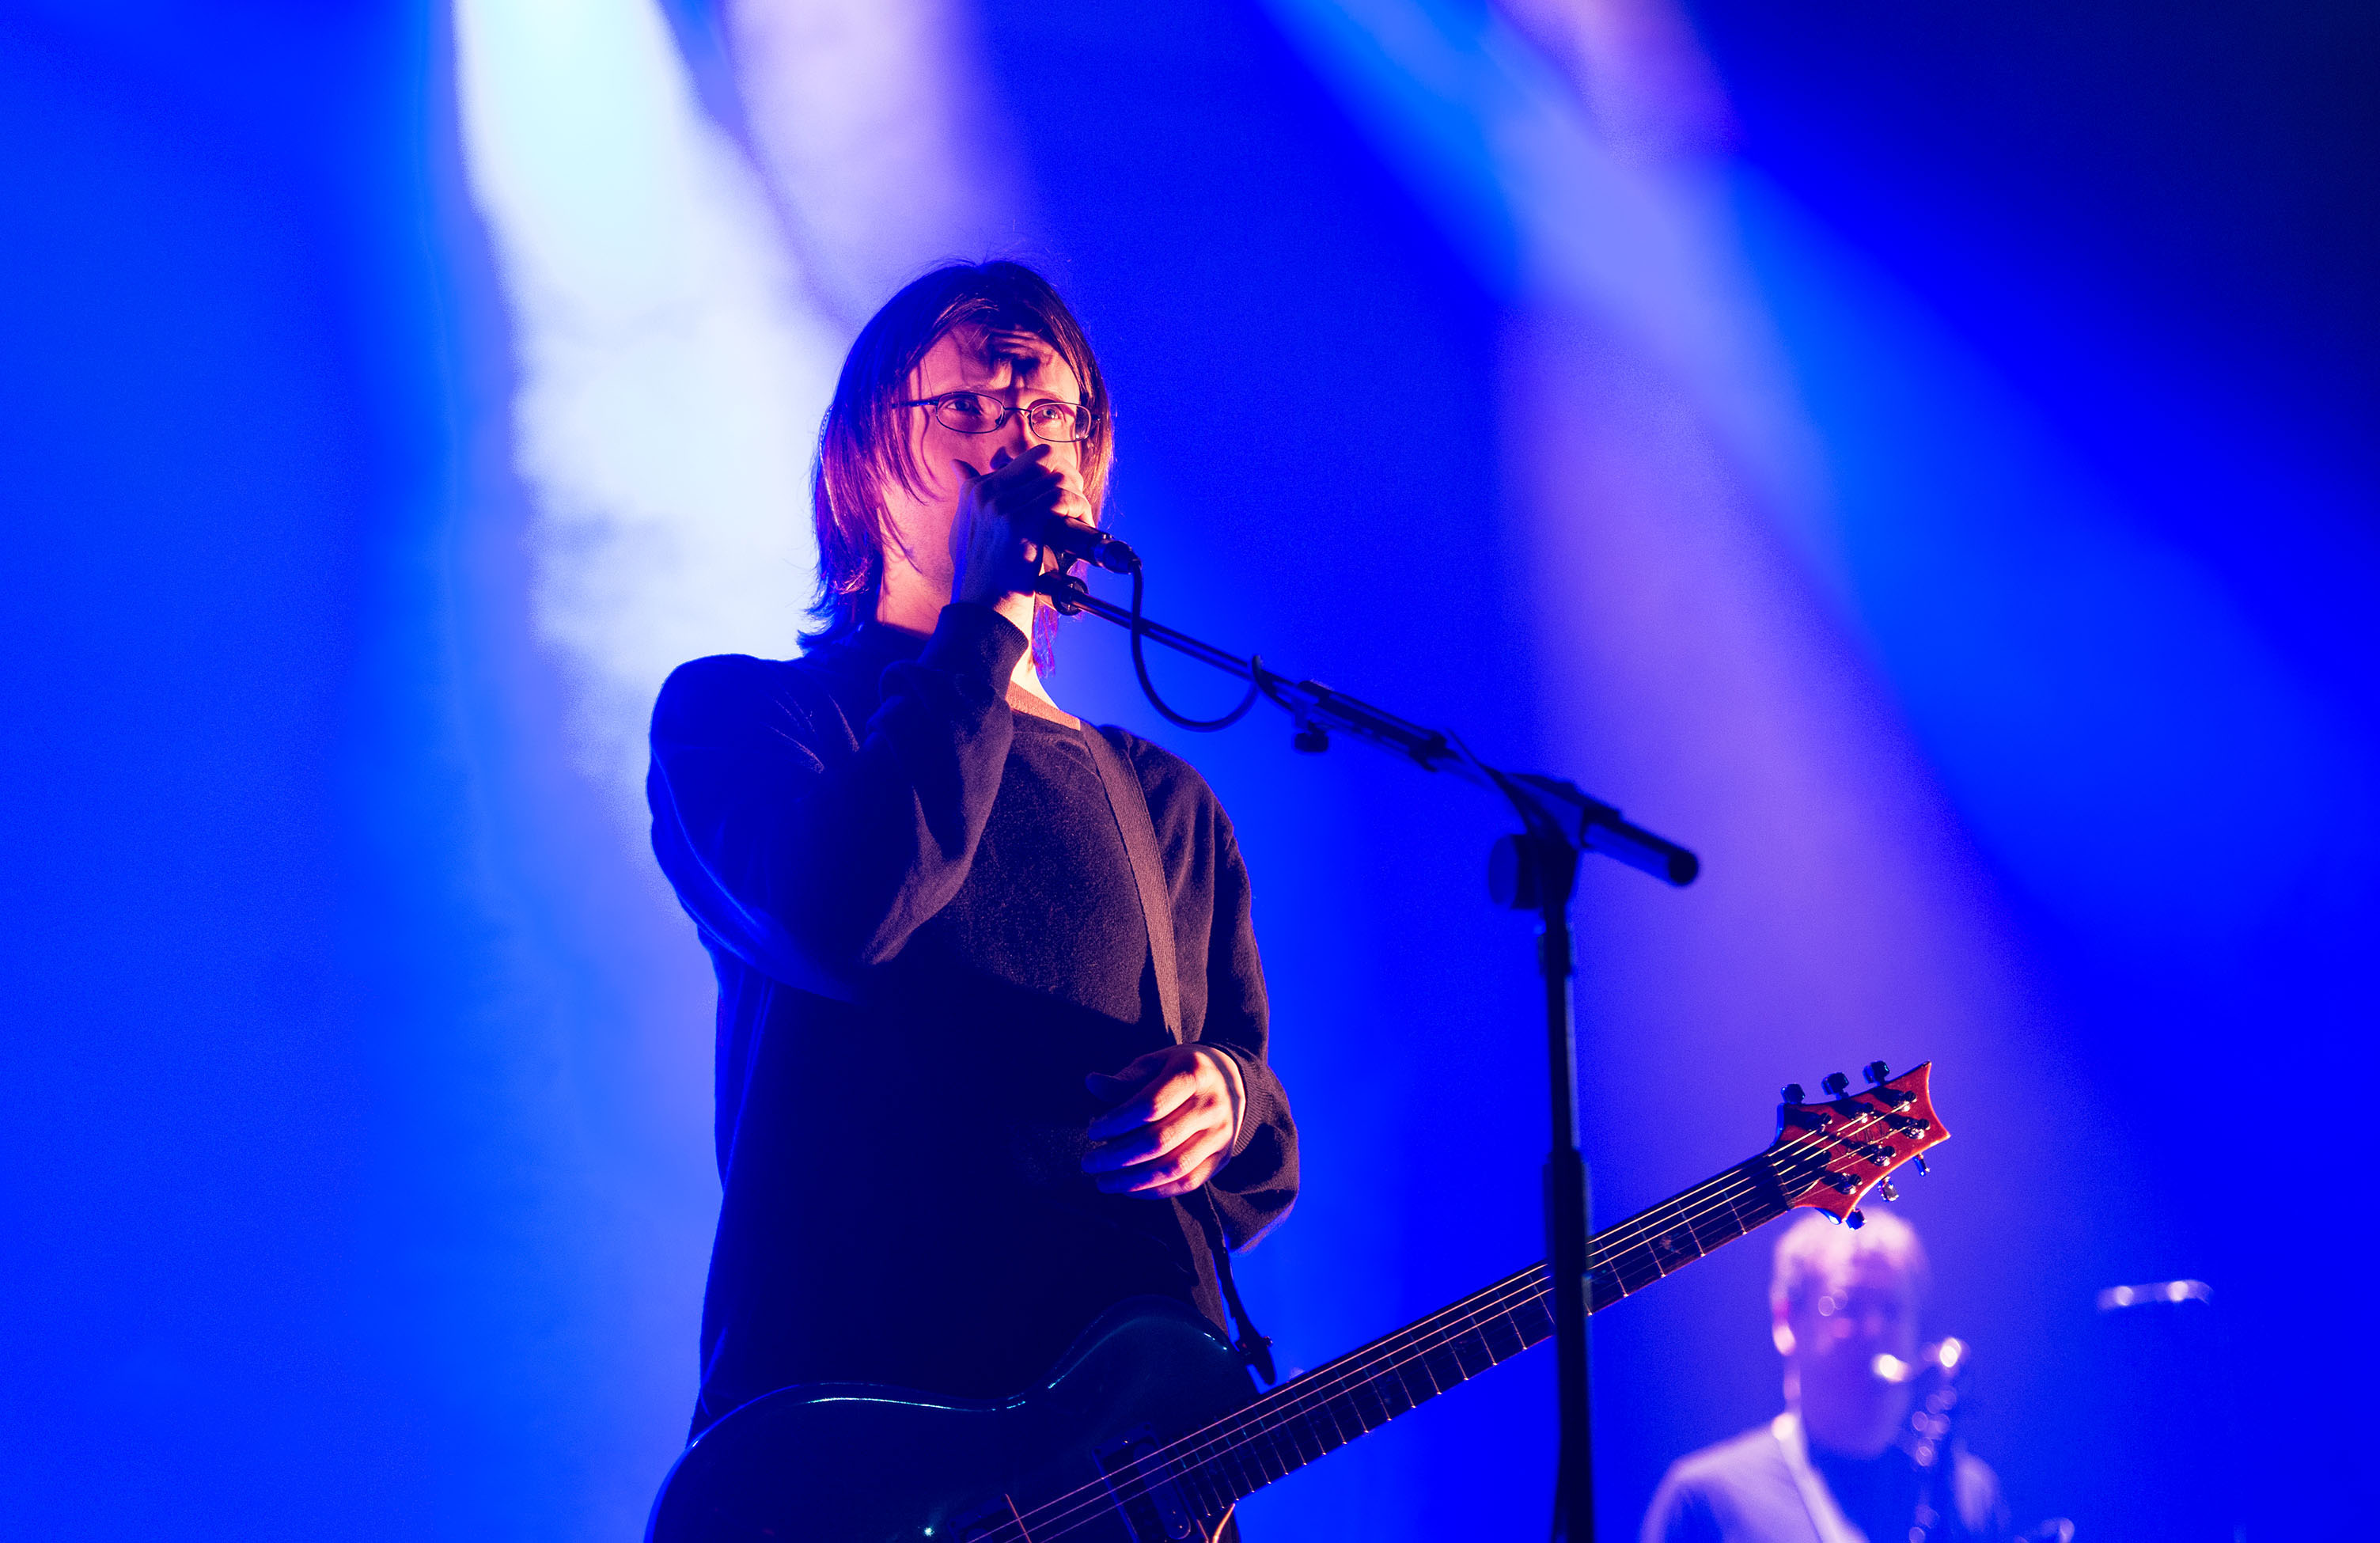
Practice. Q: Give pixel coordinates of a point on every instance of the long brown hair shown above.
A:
(864, 443)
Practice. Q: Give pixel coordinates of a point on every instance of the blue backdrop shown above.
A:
(356, 1166)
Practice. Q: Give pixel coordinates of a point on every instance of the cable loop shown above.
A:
(1148, 687)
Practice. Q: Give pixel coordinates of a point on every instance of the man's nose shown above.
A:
(1012, 436)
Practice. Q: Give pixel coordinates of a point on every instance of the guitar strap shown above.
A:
(1129, 803)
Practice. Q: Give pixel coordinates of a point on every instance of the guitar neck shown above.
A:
(1361, 1390)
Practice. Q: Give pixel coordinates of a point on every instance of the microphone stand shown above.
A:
(1534, 869)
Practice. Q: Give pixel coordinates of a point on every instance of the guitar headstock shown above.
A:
(1828, 1156)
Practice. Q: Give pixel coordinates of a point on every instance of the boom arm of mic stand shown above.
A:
(1535, 871)
(1553, 806)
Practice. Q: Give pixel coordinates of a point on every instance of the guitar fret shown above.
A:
(1192, 1480)
(1322, 1429)
(1245, 1476)
(1325, 1427)
(1634, 1267)
(1675, 1249)
(1316, 1432)
(1719, 1225)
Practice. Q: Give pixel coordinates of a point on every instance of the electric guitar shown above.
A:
(1150, 1426)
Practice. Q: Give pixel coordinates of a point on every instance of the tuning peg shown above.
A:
(1875, 1072)
(1792, 1093)
(1837, 1084)
(1856, 1220)
(1887, 1190)
(1921, 1165)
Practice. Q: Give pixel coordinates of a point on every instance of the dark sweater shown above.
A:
(927, 933)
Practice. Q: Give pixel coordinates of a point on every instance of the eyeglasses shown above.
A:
(973, 412)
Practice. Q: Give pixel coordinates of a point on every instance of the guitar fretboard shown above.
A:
(1361, 1390)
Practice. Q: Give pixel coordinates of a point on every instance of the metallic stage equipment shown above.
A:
(1537, 869)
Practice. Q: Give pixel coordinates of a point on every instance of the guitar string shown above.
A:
(1200, 1470)
(1404, 1348)
(1706, 1199)
(1515, 1289)
(1202, 1473)
(1096, 1501)
(1484, 1305)
(1432, 1335)
(1387, 1356)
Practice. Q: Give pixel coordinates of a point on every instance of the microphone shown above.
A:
(1074, 538)
(1946, 1354)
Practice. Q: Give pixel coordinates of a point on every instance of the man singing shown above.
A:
(952, 1123)
(1831, 1468)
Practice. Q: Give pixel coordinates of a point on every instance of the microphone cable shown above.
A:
(1148, 687)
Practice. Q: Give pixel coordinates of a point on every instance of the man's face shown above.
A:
(1866, 1306)
(1015, 370)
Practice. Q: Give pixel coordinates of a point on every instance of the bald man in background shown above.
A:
(1832, 1467)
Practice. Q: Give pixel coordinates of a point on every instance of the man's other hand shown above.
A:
(1175, 1113)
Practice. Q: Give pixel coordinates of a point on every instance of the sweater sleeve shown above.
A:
(1255, 1188)
(809, 859)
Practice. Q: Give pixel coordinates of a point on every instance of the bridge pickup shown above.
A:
(1146, 1492)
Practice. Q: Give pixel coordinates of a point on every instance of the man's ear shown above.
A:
(1780, 1329)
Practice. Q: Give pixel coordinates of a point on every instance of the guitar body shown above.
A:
(849, 1463)
(1150, 1428)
